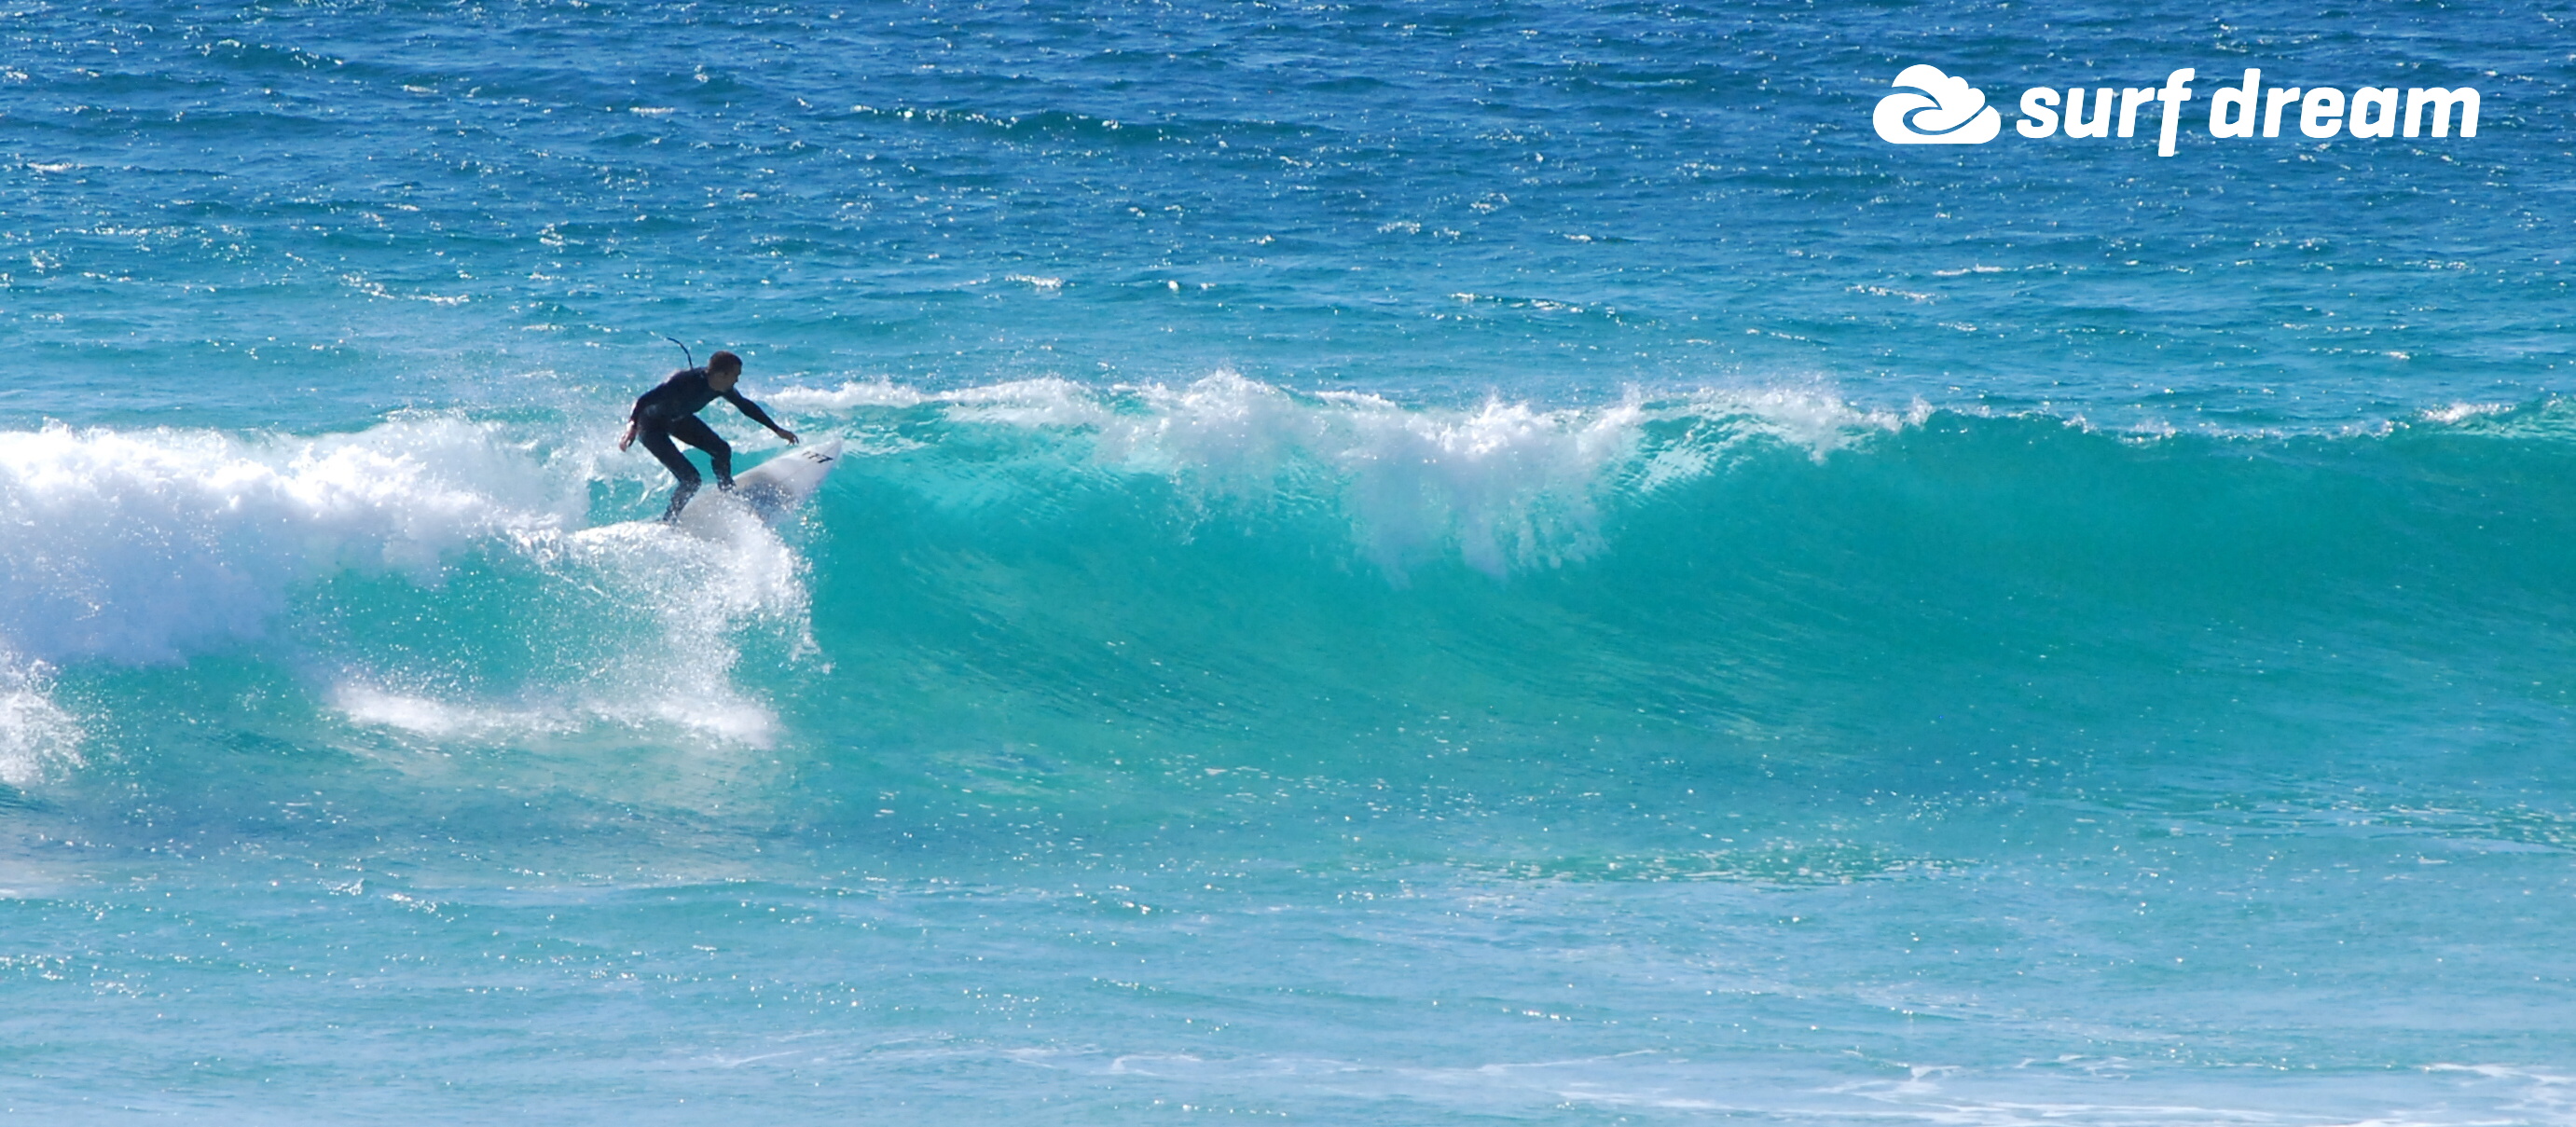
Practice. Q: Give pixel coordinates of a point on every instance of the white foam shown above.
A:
(37, 738)
(1046, 402)
(709, 708)
(1812, 418)
(145, 546)
(142, 547)
(700, 593)
(2463, 411)
(851, 393)
(424, 715)
(1504, 486)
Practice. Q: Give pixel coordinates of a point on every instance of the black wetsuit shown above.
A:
(671, 411)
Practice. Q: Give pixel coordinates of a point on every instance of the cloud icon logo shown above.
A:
(1947, 111)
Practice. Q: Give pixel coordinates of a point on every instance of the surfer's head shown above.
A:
(723, 369)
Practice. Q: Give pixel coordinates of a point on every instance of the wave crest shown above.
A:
(1502, 485)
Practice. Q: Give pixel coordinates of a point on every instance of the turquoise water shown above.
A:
(1397, 564)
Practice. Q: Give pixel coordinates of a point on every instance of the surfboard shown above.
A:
(772, 490)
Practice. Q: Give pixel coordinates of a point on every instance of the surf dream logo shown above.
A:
(1931, 107)
(1941, 111)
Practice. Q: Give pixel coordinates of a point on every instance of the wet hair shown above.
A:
(723, 360)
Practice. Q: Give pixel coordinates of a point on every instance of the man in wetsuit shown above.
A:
(671, 411)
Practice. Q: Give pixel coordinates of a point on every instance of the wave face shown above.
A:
(1222, 650)
(1227, 564)
(1737, 569)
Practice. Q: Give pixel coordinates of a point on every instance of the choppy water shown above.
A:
(1424, 563)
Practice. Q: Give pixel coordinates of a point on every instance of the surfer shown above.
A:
(671, 411)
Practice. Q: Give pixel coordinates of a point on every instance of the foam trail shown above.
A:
(424, 715)
(700, 592)
(654, 645)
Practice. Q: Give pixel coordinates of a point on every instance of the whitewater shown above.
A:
(1424, 564)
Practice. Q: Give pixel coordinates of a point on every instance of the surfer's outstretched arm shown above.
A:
(752, 411)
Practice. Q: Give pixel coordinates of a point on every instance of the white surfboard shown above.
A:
(772, 490)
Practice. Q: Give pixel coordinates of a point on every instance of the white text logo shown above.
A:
(1949, 114)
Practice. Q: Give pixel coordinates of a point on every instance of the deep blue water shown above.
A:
(1398, 564)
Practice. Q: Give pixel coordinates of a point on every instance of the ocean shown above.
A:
(1394, 563)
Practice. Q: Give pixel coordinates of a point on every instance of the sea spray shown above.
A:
(38, 739)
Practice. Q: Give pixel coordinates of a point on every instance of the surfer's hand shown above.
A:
(627, 439)
(787, 434)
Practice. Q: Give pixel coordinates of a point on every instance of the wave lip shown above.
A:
(1503, 485)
